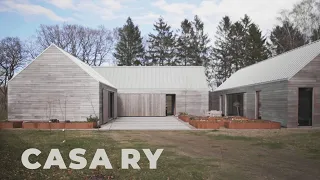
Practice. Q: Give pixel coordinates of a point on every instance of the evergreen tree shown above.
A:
(286, 37)
(315, 34)
(238, 43)
(221, 56)
(256, 47)
(200, 49)
(129, 49)
(162, 45)
(248, 46)
(184, 49)
(193, 43)
(200, 44)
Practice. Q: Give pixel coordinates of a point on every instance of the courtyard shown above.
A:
(146, 123)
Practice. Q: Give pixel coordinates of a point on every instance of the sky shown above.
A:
(22, 17)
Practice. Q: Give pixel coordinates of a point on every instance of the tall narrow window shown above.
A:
(220, 103)
(258, 106)
(225, 105)
(305, 106)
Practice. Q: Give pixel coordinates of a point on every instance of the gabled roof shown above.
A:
(88, 69)
(155, 77)
(280, 67)
(81, 64)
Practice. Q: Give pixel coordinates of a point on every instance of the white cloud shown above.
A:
(63, 4)
(262, 12)
(104, 9)
(175, 8)
(29, 9)
(113, 4)
(148, 18)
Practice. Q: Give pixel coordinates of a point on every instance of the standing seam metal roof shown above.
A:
(155, 77)
(280, 67)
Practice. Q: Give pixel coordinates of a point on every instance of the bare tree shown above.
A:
(305, 16)
(92, 46)
(12, 58)
(32, 48)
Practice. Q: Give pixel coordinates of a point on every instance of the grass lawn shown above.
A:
(220, 154)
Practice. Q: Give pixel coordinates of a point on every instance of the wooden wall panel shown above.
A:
(105, 106)
(273, 97)
(279, 100)
(308, 77)
(134, 104)
(46, 83)
(154, 103)
(103, 102)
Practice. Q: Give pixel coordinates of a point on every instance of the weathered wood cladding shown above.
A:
(141, 104)
(273, 97)
(308, 77)
(104, 91)
(279, 100)
(192, 102)
(51, 87)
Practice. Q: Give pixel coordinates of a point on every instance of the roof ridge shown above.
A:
(305, 45)
(31, 62)
(282, 66)
(146, 66)
(81, 63)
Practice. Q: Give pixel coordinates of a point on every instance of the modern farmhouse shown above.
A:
(284, 88)
(158, 90)
(56, 85)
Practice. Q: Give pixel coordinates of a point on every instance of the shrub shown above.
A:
(92, 118)
(194, 118)
(183, 114)
(54, 120)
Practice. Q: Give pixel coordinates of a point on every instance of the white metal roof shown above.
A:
(280, 67)
(88, 69)
(155, 77)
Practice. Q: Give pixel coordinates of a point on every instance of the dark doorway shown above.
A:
(305, 106)
(235, 104)
(170, 104)
(105, 106)
(111, 104)
(258, 105)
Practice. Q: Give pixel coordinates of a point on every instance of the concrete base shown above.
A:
(146, 123)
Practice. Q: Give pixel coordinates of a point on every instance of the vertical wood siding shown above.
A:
(104, 91)
(153, 103)
(141, 104)
(273, 97)
(44, 85)
(308, 77)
